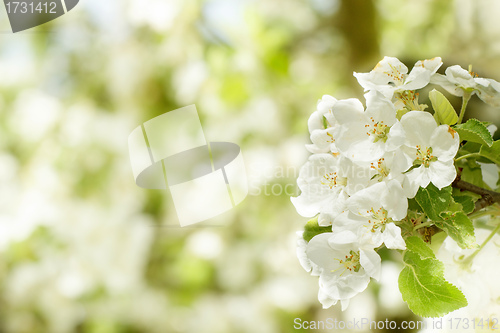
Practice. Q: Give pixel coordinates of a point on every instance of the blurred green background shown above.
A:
(83, 249)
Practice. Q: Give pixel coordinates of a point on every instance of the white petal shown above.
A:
(348, 110)
(370, 261)
(396, 137)
(419, 177)
(392, 237)
(380, 108)
(315, 122)
(489, 93)
(394, 200)
(444, 82)
(444, 143)
(326, 104)
(325, 300)
(366, 199)
(418, 126)
(460, 76)
(421, 73)
(345, 304)
(320, 252)
(331, 286)
(442, 173)
(342, 239)
(347, 221)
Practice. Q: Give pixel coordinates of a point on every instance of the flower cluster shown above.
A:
(365, 165)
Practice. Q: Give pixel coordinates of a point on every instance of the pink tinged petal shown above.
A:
(394, 201)
(370, 261)
(392, 237)
(444, 143)
(442, 173)
(418, 127)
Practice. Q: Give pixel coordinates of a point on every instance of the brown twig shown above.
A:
(488, 197)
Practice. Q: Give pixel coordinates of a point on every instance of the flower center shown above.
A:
(332, 180)
(409, 98)
(380, 168)
(377, 129)
(349, 263)
(395, 76)
(424, 156)
(378, 219)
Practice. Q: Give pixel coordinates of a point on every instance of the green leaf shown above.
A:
(312, 229)
(444, 113)
(471, 147)
(492, 153)
(466, 202)
(418, 246)
(458, 226)
(474, 131)
(434, 201)
(424, 288)
(414, 206)
(472, 173)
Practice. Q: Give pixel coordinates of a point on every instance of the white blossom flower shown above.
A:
(323, 127)
(304, 261)
(323, 181)
(366, 136)
(372, 212)
(345, 264)
(391, 76)
(458, 80)
(431, 150)
(315, 270)
(390, 166)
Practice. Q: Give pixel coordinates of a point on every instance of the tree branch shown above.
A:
(488, 197)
